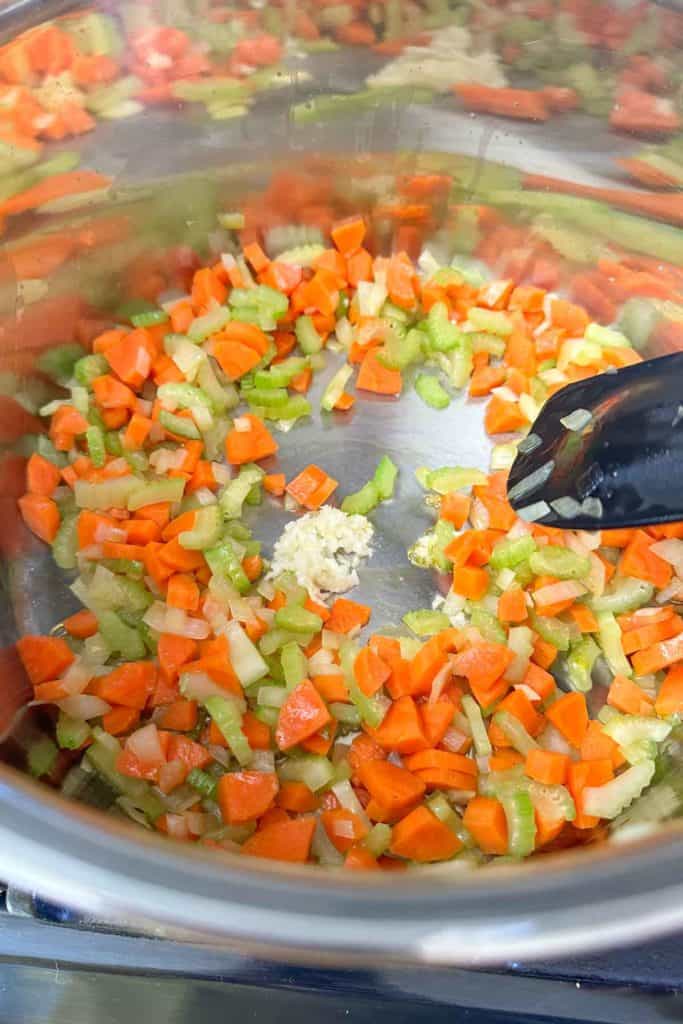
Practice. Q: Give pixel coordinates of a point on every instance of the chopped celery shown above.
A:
(42, 755)
(246, 660)
(260, 304)
(440, 808)
(426, 622)
(295, 408)
(222, 396)
(490, 321)
(431, 392)
(625, 595)
(378, 839)
(515, 732)
(335, 388)
(488, 625)
(442, 334)
(610, 799)
(269, 398)
(65, 544)
(346, 714)
(519, 813)
(210, 323)
(296, 619)
(107, 494)
(552, 560)
(553, 631)
(136, 596)
(103, 757)
(294, 665)
(369, 709)
(144, 494)
(507, 554)
(315, 771)
(181, 426)
(94, 437)
(482, 744)
(271, 696)
(119, 637)
(150, 318)
(400, 350)
(363, 501)
(206, 532)
(454, 478)
(203, 783)
(637, 736)
(332, 104)
(228, 718)
(307, 336)
(225, 563)
(428, 551)
(609, 635)
(60, 362)
(235, 493)
(384, 478)
(579, 663)
(71, 732)
(281, 375)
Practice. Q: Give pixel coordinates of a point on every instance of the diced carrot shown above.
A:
(659, 656)
(347, 615)
(582, 774)
(539, 680)
(130, 684)
(250, 445)
(120, 720)
(42, 476)
(512, 606)
(436, 720)
(422, 837)
(584, 618)
(485, 820)
(470, 582)
(363, 748)
(348, 235)
(312, 487)
(44, 657)
(297, 797)
(544, 652)
(285, 841)
(344, 828)
(639, 561)
(359, 858)
(394, 789)
(244, 796)
(484, 664)
(525, 104)
(597, 745)
(547, 766)
(180, 716)
(374, 376)
(302, 714)
(455, 508)
(484, 380)
(627, 696)
(670, 697)
(518, 705)
(401, 728)
(41, 515)
(370, 671)
(81, 624)
(569, 715)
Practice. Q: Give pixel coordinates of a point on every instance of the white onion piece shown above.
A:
(176, 826)
(566, 507)
(199, 686)
(91, 553)
(205, 497)
(77, 676)
(506, 393)
(528, 692)
(479, 515)
(454, 740)
(565, 590)
(83, 706)
(521, 643)
(146, 745)
(262, 761)
(197, 822)
(671, 551)
(531, 483)
(440, 682)
(673, 592)
(241, 424)
(174, 620)
(221, 472)
(575, 421)
(347, 798)
(171, 775)
(532, 513)
(322, 663)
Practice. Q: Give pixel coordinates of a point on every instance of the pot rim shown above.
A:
(557, 905)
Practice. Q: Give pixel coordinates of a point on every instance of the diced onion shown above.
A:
(171, 775)
(322, 663)
(205, 497)
(553, 593)
(566, 507)
(592, 507)
(77, 676)
(83, 706)
(174, 620)
(479, 515)
(221, 472)
(671, 551)
(145, 744)
(532, 513)
(454, 740)
(262, 761)
(241, 424)
(176, 826)
(506, 393)
(529, 444)
(528, 692)
(440, 682)
(532, 482)
(346, 796)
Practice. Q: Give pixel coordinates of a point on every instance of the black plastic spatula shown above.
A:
(606, 452)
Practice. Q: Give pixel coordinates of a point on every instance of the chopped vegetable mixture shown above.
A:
(219, 700)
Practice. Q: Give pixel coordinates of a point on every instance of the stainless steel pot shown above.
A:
(172, 169)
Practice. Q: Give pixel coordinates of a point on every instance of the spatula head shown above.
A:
(620, 466)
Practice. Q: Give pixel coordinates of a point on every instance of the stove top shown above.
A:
(58, 967)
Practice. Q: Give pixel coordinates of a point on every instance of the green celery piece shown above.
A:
(295, 408)
(507, 554)
(41, 755)
(150, 318)
(137, 596)
(296, 619)
(280, 376)
(639, 317)
(94, 437)
(133, 307)
(488, 625)
(519, 813)
(222, 396)
(425, 622)
(552, 560)
(307, 336)
(203, 783)
(228, 718)
(124, 567)
(269, 398)
(235, 493)
(553, 631)
(431, 392)
(137, 461)
(443, 335)
(315, 771)
(261, 301)
(345, 714)
(384, 478)
(59, 362)
(378, 839)
(610, 799)
(626, 595)
(119, 637)
(210, 323)
(71, 732)
(335, 387)
(184, 396)
(428, 551)
(275, 639)
(362, 501)
(103, 760)
(454, 478)
(45, 447)
(181, 426)
(579, 663)
(206, 532)
(155, 491)
(482, 744)
(224, 563)
(228, 90)
(609, 635)
(65, 544)
(107, 494)
(291, 588)
(113, 443)
(294, 665)
(401, 350)
(515, 732)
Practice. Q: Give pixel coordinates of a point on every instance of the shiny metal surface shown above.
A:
(173, 170)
